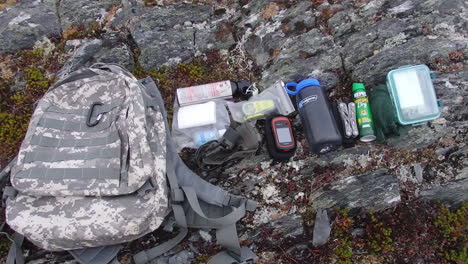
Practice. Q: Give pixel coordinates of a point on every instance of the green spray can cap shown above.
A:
(358, 87)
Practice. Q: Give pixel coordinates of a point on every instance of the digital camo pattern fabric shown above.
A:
(62, 155)
(63, 223)
(81, 185)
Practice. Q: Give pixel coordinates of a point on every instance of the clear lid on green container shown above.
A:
(413, 94)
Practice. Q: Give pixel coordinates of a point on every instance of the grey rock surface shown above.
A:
(453, 193)
(338, 42)
(357, 232)
(387, 34)
(322, 228)
(74, 13)
(164, 37)
(26, 22)
(312, 54)
(418, 172)
(375, 191)
(86, 52)
(289, 226)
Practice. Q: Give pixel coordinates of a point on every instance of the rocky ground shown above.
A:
(380, 197)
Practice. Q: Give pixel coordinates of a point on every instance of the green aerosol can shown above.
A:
(363, 113)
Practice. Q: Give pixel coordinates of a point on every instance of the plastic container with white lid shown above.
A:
(413, 94)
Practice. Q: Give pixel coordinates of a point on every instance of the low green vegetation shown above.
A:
(31, 70)
(343, 251)
(81, 31)
(379, 235)
(410, 232)
(6, 3)
(453, 227)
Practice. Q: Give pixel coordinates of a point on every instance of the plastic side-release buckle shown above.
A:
(250, 205)
(236, 201)
(177, 196)
(230, 138)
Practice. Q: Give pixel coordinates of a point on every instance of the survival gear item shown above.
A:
(348, 118)
(385, 118)
(320, 127)
(256, 109)
(219, 90)
(239, 141)
(346, 142)
(413, 95)
(363, 113)
(280, 140)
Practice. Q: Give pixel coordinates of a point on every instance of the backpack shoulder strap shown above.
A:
(15, 253)
(200, 204)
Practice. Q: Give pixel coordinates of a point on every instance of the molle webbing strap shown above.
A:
(65, 143)
(70, 173)
(55, 155)
(99, 109)
(74, 126)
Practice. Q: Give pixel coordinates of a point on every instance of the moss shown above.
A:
(4, 246)
(81, 31)
(202, 259)
(150, 2)
(17, 107)
(6, 3)
(14, 120)
(454, 62)
(308, 216)
(453, 228)
(379, 235)
(343, 250)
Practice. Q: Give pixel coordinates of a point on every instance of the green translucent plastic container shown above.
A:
(413, 94)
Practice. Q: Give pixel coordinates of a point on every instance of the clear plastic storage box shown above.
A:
(413, 94)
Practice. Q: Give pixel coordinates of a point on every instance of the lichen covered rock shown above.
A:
(172, 34)
(27, 22)
(373, 191)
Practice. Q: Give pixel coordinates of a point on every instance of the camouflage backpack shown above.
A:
(98, 167)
